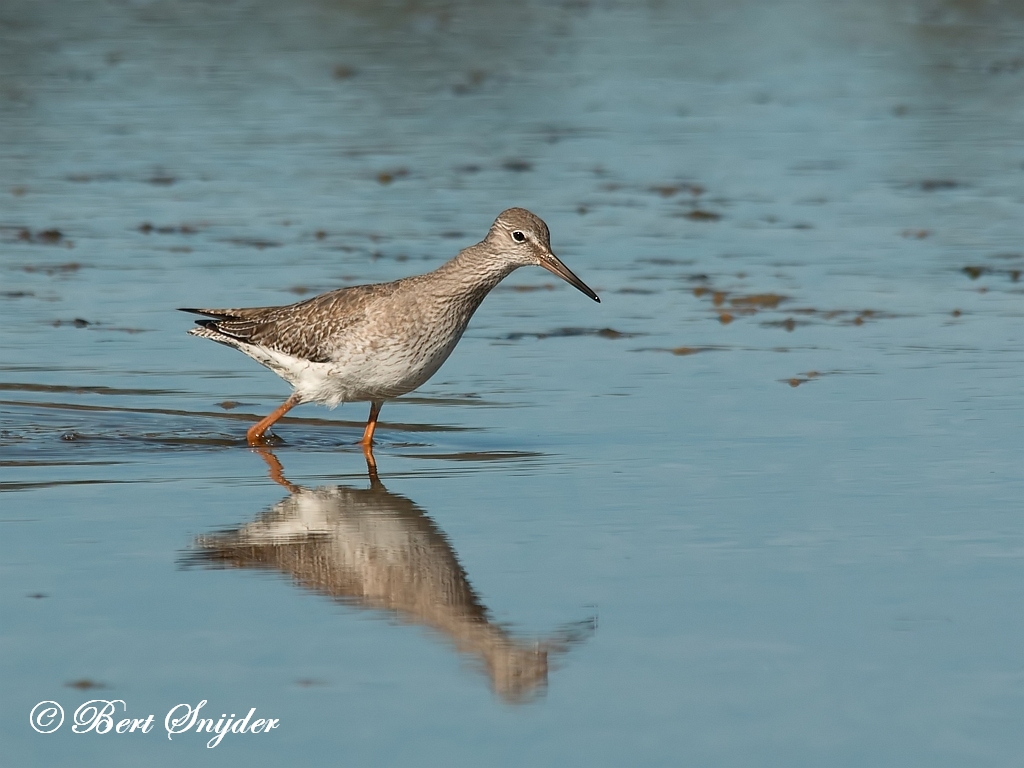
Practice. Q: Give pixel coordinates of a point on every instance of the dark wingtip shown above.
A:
(190, 309)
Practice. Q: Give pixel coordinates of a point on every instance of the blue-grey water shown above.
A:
(761, 506)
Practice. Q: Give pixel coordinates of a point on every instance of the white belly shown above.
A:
(357, 375)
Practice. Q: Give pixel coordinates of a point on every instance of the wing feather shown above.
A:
(307, 330)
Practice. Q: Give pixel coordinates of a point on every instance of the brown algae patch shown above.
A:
(802, 378)
(745, 304)
(729, 307)
(84, 684)
(670, 190)
(386, 177)
(253, 242)
(50, 270)
(938, 185)
(79, 322)
(974, 272)
(758, 301)
(789, 324)
(39, 237)
(604, 333)
(46, 236)
(148, 228)
(684, 351)
(699, 214)
(845, 316)
(808, 376)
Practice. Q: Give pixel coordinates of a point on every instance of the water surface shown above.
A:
(759, 506)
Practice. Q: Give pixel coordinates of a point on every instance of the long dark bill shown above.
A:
(551, 263)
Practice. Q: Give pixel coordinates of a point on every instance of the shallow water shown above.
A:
(759, 506)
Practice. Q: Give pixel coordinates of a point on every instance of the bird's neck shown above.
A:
(475, 271)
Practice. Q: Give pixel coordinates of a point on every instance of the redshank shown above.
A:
(377, 342)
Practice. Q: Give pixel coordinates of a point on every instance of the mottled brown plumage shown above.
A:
(303, 330)
(376, 342)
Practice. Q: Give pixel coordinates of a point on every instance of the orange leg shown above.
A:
(256, 431)
(274, 469)
(371, 465)
(371, 424)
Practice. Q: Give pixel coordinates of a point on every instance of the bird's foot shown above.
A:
(263, 440)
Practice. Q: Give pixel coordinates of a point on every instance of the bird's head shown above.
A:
(524, 240)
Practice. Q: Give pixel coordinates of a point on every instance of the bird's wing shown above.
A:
(308, 329)
(229, 314)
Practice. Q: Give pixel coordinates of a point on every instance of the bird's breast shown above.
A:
(394, 354)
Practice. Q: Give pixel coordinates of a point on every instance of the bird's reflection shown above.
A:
(371, 548)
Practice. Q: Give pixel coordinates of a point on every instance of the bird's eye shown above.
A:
(518, 236)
